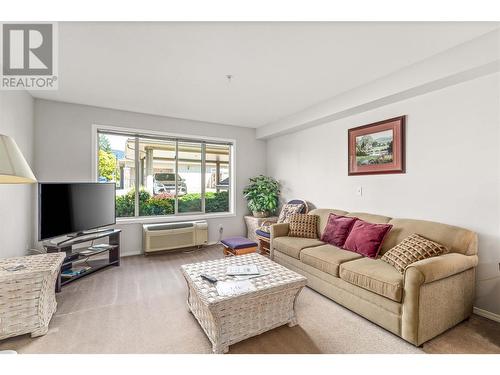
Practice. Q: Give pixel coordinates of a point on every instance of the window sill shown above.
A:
(168, 219)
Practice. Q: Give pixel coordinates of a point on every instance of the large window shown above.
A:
(173, 176)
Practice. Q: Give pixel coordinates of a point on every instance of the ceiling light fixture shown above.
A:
(229, 77)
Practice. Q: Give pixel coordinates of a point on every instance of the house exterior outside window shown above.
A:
(165, 176)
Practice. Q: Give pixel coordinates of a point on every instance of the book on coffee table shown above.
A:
(247, 269)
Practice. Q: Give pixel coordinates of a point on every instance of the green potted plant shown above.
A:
(262, 195)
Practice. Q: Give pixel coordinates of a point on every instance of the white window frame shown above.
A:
(96, 128)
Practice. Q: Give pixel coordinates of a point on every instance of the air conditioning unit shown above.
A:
(170, 236)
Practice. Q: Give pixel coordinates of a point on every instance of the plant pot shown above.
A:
(260, 214)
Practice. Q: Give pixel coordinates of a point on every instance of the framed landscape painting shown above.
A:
(377, 148)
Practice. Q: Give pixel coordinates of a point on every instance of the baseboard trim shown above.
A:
(486, 314)
(140, 252)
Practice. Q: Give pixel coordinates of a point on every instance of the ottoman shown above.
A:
(238, 246)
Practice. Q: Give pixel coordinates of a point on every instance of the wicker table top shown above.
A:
(278, 276)
(33, 263)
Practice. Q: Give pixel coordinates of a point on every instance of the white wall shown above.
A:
(16, 209)
(63, 134)
(453, 168)
(472, 59)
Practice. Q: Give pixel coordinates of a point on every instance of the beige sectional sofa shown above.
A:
(432, 296)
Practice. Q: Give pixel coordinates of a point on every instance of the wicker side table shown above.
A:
(27, 296)
(228, 320)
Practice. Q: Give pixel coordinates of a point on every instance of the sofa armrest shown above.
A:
(277, 230)
(438, 293)
(437, 268)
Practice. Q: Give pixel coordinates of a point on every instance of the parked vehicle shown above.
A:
(223, 185)
(165, 183)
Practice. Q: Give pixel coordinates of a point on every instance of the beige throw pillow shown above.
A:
(412, 249)
(303, 225)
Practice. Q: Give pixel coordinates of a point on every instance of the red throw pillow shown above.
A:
(337, 229)
(366, 238)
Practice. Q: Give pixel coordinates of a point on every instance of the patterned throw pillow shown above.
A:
(413, 248)
(303, 225)
(265, 228)
(288, 210)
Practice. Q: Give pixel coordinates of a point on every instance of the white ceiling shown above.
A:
(179, 69)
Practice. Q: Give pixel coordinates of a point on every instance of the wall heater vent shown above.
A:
(170, 236)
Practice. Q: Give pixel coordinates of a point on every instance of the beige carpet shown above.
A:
(140, 307)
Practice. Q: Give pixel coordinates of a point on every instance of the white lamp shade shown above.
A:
(13, 166)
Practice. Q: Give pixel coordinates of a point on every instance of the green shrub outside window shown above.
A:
(164, 204)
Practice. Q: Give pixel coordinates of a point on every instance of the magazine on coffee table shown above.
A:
(247, 269)
(231, 288)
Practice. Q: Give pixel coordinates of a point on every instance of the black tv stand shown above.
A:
(73, 236)
(93, 260)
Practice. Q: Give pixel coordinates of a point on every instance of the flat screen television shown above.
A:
(73, 208)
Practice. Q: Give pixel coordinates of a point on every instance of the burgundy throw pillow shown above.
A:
(366, 238)
(337, 229)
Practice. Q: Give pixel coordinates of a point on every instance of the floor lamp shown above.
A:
(13, 170)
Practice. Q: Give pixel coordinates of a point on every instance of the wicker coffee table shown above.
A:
(228, 320)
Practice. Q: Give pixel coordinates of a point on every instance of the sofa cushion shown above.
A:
(366, 238)
(292, 246)
(334, 287)
(374, 275)
(337, 229)
(303, 225)
(327, 258)
(371, 218)
(412, 249)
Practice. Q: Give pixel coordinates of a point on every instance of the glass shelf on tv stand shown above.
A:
(86, 256)
(74, 240)
(93, 260)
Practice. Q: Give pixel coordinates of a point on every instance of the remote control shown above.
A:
(209, 278)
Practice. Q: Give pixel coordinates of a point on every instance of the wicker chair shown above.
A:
(263, 234)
